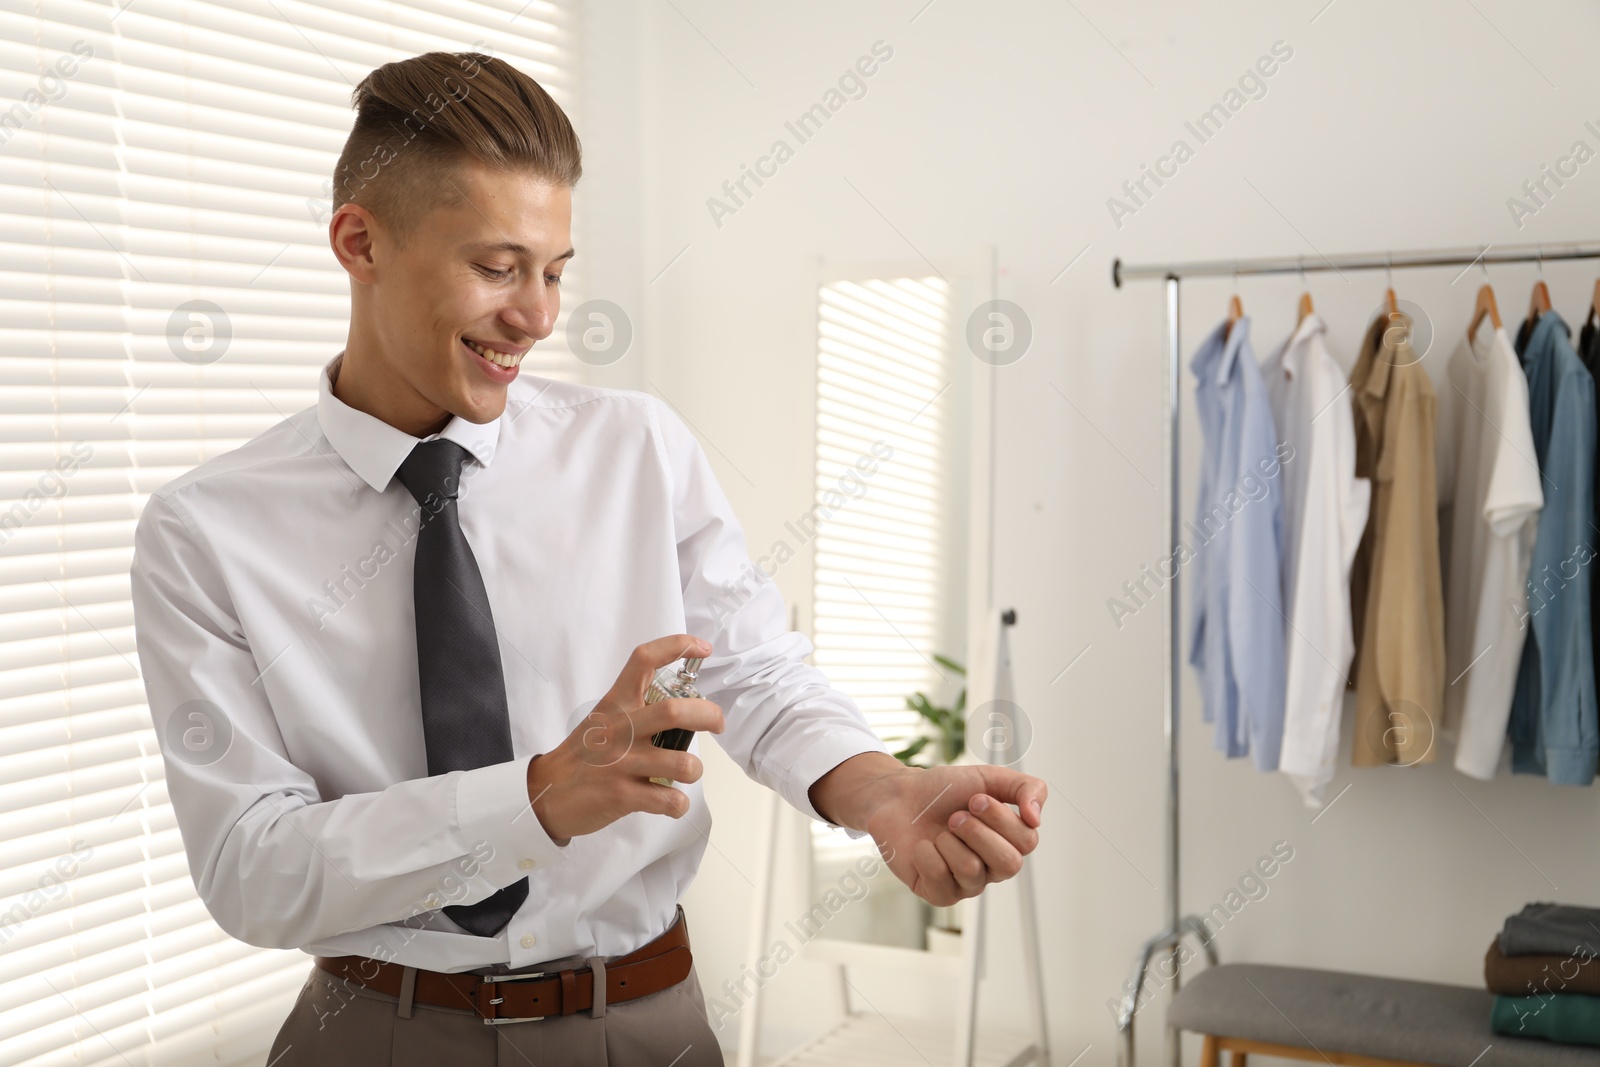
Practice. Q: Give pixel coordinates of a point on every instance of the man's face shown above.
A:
(483, 273)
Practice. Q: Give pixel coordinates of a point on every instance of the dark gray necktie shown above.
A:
(465, 721)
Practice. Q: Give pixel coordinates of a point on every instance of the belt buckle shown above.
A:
(501, 1000)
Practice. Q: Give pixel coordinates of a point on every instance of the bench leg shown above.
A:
(1239, 1058)
(1209, 1055)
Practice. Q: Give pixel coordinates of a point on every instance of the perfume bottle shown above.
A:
(673, 683)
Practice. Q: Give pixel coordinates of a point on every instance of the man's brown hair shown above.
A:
(419, 119)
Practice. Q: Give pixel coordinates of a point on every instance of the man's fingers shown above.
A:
(648, 761)
(684, 713)
(965, 865)
(646, 659)
(658, 799)
(986, 809)
(1000, 856)
(1013, 787)
(935, 883)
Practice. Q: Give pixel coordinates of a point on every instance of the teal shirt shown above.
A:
(1553, 725)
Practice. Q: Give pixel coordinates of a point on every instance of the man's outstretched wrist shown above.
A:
(843, 796)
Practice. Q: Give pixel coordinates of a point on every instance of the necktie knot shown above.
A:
(433, 469)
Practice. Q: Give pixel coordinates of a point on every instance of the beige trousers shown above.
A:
(340, 1024)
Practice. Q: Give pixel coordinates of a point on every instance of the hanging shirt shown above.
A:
(1324, 515)
(1553, 724)
(1589, 353)
(1489, 480)
(1396, 600)
(1236, 614)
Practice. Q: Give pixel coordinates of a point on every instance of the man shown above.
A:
(373, 638)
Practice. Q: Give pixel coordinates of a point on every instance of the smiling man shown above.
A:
(397, 646)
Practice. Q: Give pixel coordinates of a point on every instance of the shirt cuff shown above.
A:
(818, 760)
(498, 823)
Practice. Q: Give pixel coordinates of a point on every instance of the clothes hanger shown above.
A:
(1235, 309)
(1594, 305)
(1486, 304)
(1305, 297)
(1388, 294)
(1539, 302)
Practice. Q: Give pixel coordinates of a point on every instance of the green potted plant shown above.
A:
(944, 728)
(941, 739)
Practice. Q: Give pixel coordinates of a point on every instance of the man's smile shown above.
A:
(498, 362)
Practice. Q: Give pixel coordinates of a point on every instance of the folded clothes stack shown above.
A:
(1542, 968)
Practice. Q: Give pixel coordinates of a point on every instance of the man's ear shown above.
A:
(351, 234)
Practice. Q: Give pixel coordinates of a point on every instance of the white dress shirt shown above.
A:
(1324, 514)
(275, 583)
(1489, 477)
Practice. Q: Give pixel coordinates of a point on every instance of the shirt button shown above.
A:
(527, 940)
(526, 865)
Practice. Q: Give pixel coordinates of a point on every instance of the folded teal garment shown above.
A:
(1570, 1018)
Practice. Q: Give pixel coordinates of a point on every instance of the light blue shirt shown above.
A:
(1553, 722)
(1236, 605)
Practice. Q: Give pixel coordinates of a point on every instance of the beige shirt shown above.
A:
(1396, 595)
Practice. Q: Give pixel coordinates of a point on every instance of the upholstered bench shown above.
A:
(1352, 1019)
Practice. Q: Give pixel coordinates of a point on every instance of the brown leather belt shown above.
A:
(530, 995)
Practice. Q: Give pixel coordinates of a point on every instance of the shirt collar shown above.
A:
(374, 449)
(1543, 336)
(1294, 350)
(1381, 351)
(1237, 338)
(1482, 343)
(1223, 350)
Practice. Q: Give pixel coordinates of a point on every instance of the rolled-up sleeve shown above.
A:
(785, 724)
(277, 865)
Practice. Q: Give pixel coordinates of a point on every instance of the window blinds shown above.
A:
(166, 293)
(882, 470)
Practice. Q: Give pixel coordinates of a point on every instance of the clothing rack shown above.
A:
(1179, 925)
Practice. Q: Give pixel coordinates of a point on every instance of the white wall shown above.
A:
(1390, 127)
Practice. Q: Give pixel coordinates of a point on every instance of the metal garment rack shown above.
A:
(1169, 939)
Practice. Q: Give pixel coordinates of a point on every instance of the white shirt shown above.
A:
(1489, 476)
(275, 582)
(1324, 514)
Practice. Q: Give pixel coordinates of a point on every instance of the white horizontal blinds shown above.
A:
(180, 152)
(882, 372)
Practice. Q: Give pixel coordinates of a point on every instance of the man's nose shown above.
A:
(532, 312)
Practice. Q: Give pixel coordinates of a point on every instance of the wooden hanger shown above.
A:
(1235, 309)
(1485, 306)
(1539, 302)
(1594, 305)
(1305, 296)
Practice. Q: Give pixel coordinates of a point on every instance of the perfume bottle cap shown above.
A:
(691, 666)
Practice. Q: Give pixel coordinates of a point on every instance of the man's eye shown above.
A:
(492, 273)
(553, 279)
